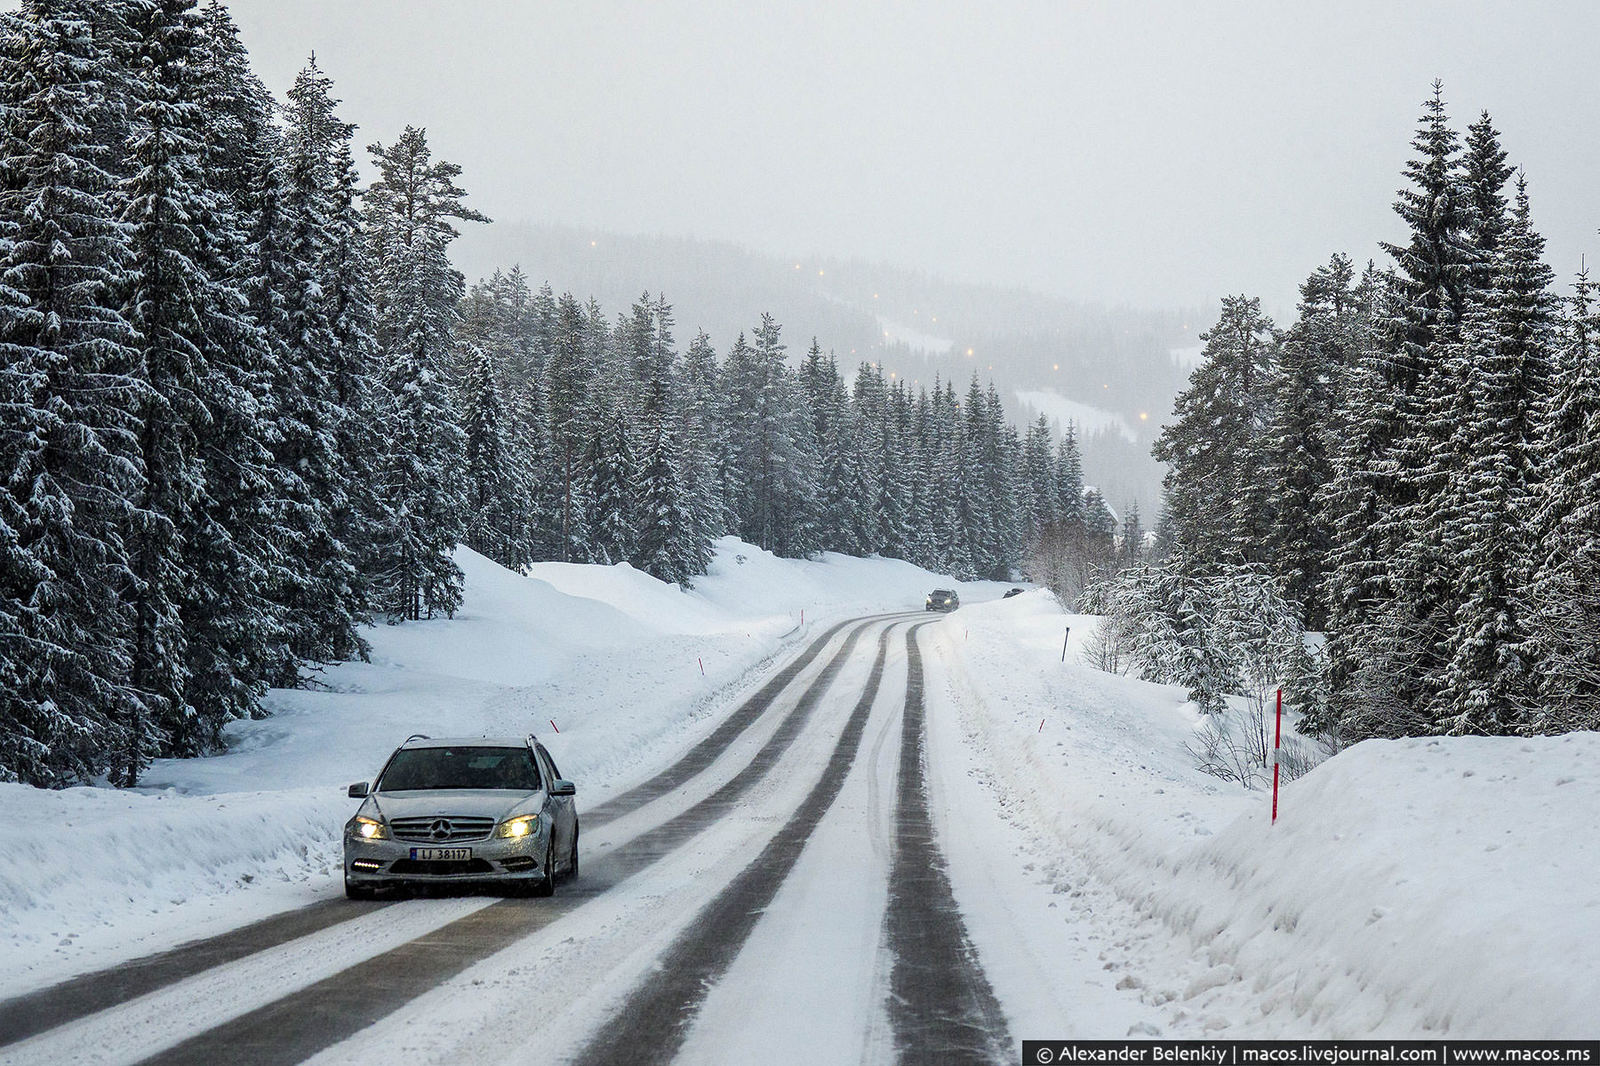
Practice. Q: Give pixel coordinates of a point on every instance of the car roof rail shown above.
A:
(417, 736)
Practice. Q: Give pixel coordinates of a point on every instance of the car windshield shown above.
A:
(417, 769)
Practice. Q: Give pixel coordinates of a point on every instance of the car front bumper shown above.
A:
(389, 861)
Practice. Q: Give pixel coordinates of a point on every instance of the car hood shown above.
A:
(474, 802)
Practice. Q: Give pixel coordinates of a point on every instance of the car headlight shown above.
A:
(369, 828)
(521, 826)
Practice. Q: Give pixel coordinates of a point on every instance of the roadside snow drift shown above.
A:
(1409, 888)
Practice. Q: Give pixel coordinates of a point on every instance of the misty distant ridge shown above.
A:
(1112, 370)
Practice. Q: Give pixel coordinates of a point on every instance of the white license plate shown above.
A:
(441, 854)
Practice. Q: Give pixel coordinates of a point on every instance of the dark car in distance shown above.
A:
(941, 600)
(1010, 593)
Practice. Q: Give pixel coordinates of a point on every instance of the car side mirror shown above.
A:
(562, 787)
(358, 790)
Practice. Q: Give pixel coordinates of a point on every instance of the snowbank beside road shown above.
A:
(1410, 888)
(609, 653)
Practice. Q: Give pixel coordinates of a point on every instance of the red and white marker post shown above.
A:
(1277, 739)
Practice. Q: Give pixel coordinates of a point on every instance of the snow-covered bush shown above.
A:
(1228, 632)
(1237, 745)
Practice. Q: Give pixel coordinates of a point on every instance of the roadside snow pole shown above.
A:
(1277, 739)
(802, 616)
(554, 726)
(702, 663)
(1041, 725)
(1064, 644)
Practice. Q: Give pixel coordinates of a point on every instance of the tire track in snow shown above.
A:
(47, 1008)
(658, 1015)
(941, 1006)
(311, 1019)
(697, 759)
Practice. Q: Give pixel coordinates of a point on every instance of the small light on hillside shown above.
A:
(1055, 366)
(593, 243)
(1144, 416)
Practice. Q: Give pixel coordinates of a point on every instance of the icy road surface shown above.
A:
(778, 887)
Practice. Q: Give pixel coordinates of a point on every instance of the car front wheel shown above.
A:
(546, 885)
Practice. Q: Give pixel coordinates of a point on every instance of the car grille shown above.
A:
(441, 828)
(440, 869)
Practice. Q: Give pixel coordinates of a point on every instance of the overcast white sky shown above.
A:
(1152, 153)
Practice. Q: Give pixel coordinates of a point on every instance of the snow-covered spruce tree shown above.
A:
(168, 293)
(1167, 619)
(843, 521)
(1130, 541)
(1403, 593)
(566, 387)
(1357, 566)
(242, 554)
(539, 504)
(1485, 173)
(495, 491)
(410, 209)
(1038, 480)
(920, 544)
(1506, 375)
(344, 276)
(1261, 634)
(771, 446)
(895, 499)
(1069, 480)
(704, 438)
(1217, 499)
(1432, 451)
(667, 541)
(319, 588)
(977, 504)
(882, 503)
(944, 446)
(68, 444)
(1300, 436)
(1563, 596)
(1006, 487)
(612, 480)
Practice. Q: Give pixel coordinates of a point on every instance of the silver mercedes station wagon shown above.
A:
(480, 809)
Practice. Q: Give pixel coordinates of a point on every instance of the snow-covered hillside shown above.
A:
(207, 844)
(1409, 888)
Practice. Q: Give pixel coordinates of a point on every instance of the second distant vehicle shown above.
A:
(941, 600)
(1010, 593)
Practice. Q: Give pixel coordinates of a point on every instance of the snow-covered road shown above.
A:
(776, 887)
(885, 837)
